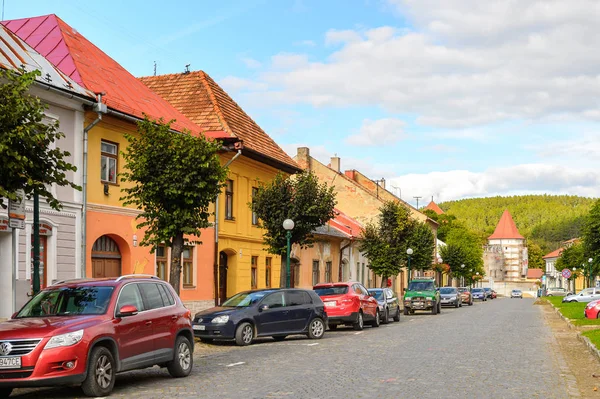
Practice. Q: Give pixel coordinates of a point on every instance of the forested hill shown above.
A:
(544, 219)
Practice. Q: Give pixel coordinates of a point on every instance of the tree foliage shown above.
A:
(591, 239)
(571, 257)
(175, 177)
(463, 247)
(28, 159)
(535, 255)
(385, 242)
(301, 198)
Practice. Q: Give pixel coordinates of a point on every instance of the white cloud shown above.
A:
(380, 132)
(306, 43)
(251, 63)
(465, 63)
(233, 83)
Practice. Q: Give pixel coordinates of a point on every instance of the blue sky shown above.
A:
(443, 98)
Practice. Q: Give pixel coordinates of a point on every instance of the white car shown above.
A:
(516, 294)
(586, 295)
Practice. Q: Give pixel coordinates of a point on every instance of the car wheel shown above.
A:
(333, 326)
(598, 315)
(439, 309)
(316, 329)
(377, 321)
(386, 316)
(456, 304)
(549, 295)
(279, 337)
(100, 378)
(359, 325)
(397, 316)
(406, 311)
(181, 365)
(5, 392)
(206, 340)
(244, 334)
(434, 308)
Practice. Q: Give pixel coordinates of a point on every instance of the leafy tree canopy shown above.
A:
(174, 178)
(27, 156)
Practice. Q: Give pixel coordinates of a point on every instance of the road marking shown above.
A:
(358, 333)
(316, 343)
(235, 364)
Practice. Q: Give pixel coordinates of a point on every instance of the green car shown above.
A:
(422, 294)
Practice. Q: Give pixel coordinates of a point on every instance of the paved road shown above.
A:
(496, 349)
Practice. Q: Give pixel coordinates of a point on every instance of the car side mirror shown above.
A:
(14, 315)
(263, 307)
(127, 310)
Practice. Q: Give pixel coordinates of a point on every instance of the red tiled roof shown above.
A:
(346, 224)
(434, 207)
(85, 63)
(201, 99)
(506, 228)
(554, 254)
(535, 273)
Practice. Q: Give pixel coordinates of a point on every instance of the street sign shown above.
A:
(16, 211)
(566, 273)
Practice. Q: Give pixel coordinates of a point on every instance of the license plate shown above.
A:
(418, 303)
(330, 303)
(199, 327)
(10, 362)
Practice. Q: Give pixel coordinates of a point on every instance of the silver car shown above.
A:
(450, 297)
(586, 295)
(557, 291)
(387, 303)
(516, 294)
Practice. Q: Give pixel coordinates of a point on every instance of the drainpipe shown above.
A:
(100, 109)
(216, 250)
(341, 258)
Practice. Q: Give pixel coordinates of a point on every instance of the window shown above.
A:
(166, 295)
(254, 215)
(188, 266)
(161, 262)
(130, 295)
(275, 300)
(254, 272)
(297, 298)
(108, 163)
(152, 295)
(315, 272)
(268, 272)
(328, 272)
(229, 200)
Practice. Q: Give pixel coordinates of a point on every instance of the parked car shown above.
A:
(479, 293)
(422, 294)
(557, 291)
(494, 294)
(488, 293)
(85, 331)
(592, 310)
(271, 312)
(387, 302)
(450, 297)
(348, 303)
(466, 295)
(586, 295)
(516, 294)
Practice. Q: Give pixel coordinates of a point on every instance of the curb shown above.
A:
(582, 338)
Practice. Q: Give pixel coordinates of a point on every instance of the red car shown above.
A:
(494, 294)
(348, 304)
(592, 310)
(83, 332)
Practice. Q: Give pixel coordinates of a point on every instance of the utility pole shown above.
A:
(417, 198)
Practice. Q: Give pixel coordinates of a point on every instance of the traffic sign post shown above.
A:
(566, 273)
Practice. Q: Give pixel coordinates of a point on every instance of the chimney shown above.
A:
(351, 174)
(303, 158)
(382, 182)
(335, 164)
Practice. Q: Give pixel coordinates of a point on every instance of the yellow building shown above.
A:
(243, 262)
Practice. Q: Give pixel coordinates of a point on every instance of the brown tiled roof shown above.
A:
(202, 100)
(506, 228)
(554, 254)
(535, 273)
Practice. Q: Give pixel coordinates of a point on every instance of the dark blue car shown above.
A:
(262, 313)
(479, 293)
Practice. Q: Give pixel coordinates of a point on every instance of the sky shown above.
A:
(445, 99)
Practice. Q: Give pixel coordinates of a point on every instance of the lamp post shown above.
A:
(574, 288)
(590, 260)
(462, 272)
(440, 260)
(477, 276)
(288, 225)
(471, 277)
(409, 252)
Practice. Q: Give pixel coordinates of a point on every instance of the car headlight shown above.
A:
(453, 298)
(220, 319)
(67, 339)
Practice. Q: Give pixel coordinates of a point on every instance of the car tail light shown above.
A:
(188, 314)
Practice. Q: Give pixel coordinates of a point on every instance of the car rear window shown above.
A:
(335, 290)
(378, 294)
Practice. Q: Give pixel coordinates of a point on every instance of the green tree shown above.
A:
(464, 247)
(422, 241)
(27, 156)
(301, 198)
(572, 256)
(535, 254)
(591, 240)
(175, 177)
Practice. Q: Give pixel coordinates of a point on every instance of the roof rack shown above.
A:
(70, 280)
(136, 276)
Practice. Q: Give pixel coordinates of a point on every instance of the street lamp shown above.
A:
(477, 276)
(462, 268)
(471, 277)
(590, 260)
(409, 252)
(288, 225)
(441, 278)
(574, 288)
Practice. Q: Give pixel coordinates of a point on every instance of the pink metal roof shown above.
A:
(15, 53)
(506, 228)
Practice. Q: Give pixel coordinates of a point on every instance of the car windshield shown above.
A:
(421, 286)
(462, 289)
(377, 294)
(447, 290)
(68, 302)
(245, 299)
(334, 290)
(516, 291)
(477, 289)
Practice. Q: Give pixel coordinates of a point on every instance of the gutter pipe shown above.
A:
(100, 108)
(342, 249)
(216, 250)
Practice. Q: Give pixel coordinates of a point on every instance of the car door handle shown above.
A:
(174, 318)
(148, 323)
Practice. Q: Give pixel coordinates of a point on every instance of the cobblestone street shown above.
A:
(500, 349)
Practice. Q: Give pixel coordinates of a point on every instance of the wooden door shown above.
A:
(106, 258)
(106, 268)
